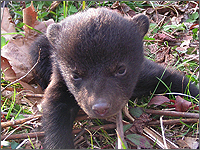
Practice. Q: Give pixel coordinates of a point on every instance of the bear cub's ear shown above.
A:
(142, 22)
(53, 33)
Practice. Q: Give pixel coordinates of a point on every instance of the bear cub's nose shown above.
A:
(101, 109)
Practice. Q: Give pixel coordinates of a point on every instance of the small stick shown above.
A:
(41, 134)
(172, 121)
(20, 121)
(163, 133)
(33, 95)
(120, 132)
(23, 136)
(172, 113)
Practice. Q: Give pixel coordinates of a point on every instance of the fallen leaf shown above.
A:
(139, 123)
(27, 86)
(126, 127)
(136, 112)
(192, 142)
(139, 140)
(7, 70)
(181, 104)
(176, 20)
(170, 60)
(6, 25)
(123, 9)
(164, 37)
(185, 45)
(161, 54)
(182, 8)
(163, 9)
(150, 10)
(15, 53)
(182, 143)
(158, 100)
(29, 17)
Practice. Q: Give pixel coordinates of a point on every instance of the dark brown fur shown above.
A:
(96, 61)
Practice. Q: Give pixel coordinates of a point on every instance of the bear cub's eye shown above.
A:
(121, 71)
(76, 77)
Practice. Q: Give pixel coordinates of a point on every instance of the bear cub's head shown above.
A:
(99, 54)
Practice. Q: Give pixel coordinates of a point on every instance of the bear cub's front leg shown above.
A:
(59, 112)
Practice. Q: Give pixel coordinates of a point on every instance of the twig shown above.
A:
(172, 113)
(157, 138)
(23, 75)
(79, 140)
(15, 122)
(23, 136)
(22, 143)
(172, 121)
(53, 6)
(120, 132)
(41, 134)
(163, 133)
(7, 136)
(161, 41)
(127, 114)
(33, 95)
(153, 137)
(79, 135)
(29, 117)
(106, 127)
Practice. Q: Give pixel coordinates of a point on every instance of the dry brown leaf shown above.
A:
(16, 52)
(140, 123)
(182, 144)
(161, 54)
(123, 9)
(29, 17)
(7, 69)
(158, 100)
(195, 25)
(176, 20)
(150, 11)
(181, 104)
(27, 86)
(182, 8)
(54, 4)
(6, 25)
(164, 37)
(192, 142)
(166, 9)
(185, 45)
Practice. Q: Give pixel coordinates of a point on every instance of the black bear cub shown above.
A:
(94, 59)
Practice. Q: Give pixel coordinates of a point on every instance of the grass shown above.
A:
(102, 138)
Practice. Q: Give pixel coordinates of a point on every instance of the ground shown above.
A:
(172, 41)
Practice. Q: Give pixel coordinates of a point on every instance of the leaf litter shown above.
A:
(174, 36)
